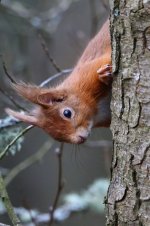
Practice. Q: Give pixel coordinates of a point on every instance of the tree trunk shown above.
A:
(128, 200)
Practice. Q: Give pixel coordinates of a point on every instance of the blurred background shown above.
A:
(66, 26)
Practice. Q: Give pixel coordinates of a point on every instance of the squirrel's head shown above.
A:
(62, 114)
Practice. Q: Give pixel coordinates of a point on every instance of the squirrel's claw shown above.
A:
(105, 74)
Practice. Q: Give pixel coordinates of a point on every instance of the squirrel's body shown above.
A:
(68, 111)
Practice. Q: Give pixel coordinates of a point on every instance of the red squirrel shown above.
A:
(68, 111)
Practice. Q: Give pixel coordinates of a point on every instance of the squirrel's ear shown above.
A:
(51, 97)
(31, 119)
(29, 92)
(38, 95)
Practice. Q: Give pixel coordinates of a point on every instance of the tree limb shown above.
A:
(5, 198)
(3, 153)
(59, 152)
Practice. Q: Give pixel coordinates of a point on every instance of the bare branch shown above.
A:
(14, 82)
(5, 198)
(45, 48)
(7, 74)
(12, 99)
(59, 152)
(28, 162)
(3, 153)
(58, 75)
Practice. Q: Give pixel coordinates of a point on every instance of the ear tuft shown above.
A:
(21, 116)
(38, 95)
(29, 92)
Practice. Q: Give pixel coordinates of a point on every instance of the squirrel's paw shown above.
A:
(105, 74)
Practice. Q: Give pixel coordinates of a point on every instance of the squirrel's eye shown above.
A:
(67, 113)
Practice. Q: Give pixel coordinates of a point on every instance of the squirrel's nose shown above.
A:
(81, 139)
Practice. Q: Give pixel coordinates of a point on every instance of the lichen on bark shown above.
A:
(128, 200)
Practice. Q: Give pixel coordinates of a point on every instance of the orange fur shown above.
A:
(85, 93)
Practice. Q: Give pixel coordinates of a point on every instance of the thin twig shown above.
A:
(28, 162)
(12, 99)
(14, 82)
(6, 149)
(58, 75)
(45, 48)
(59, 152)
(8, 75)
(8, 205)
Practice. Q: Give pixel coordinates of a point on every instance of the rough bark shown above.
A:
(128, 200)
